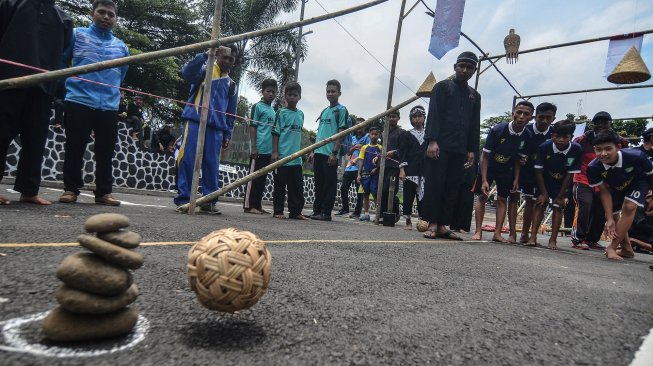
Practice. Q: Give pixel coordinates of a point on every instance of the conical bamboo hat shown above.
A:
(424, 91)
(630, 70)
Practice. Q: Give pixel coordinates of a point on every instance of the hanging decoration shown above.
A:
(630, 70)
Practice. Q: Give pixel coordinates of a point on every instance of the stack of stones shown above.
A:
(97, 287)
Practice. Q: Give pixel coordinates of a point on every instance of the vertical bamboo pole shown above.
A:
(386, 125)
(206, 98)
(299, 40)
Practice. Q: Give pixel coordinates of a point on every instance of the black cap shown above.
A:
(647, 133)
(602, 115)
(468, 57)
(417, 110)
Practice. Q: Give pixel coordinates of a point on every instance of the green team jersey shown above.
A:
(288, 126)
(263, 119)
(329, 127)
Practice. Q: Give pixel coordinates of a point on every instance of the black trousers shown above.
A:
(25, 113)
(461, 218)
(389, 173)
(326, 184)
(290, 177)
(347, 179)
(80, 121)
(441, 185)
(589, 220)
(256, 187)
(410, 194)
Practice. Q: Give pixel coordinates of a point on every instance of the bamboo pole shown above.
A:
(635, 34)
(304, 151)
(589, 90)
(25, 81)
(206, 101)
(386, 125)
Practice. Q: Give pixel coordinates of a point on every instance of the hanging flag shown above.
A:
(618, 47)
(447, 22)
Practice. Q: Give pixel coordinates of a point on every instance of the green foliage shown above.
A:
(630, 127)
(488, 123)
(570, 116)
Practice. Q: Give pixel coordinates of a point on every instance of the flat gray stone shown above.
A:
(89, 272)
(106, 222)
(124, 238)
(63, 326)
(82, 302)
(111, 253)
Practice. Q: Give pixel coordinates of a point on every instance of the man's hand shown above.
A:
(253, 154)
(274, 157)
(402, 174)
(485, 188)
(332, 160)
(433, 151)
(610, 229)
(559, 202)
(542, 199)
(225, 144)
(515, 186)
(470, 160)
(358, 179)
(523, 160)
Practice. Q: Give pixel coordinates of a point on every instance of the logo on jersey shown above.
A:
(501, 159)
(628, 170)
(625, 185)
(503, 139)
(556, 175)
(604, 174)
(570, 161)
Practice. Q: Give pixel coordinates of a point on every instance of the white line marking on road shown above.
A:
(644, 357)
(13, 336)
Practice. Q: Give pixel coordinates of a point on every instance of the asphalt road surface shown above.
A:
(342, 292)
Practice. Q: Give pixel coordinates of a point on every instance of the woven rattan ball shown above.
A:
(229, 270)
(422, 225)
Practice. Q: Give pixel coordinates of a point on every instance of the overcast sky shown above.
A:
(333, 54)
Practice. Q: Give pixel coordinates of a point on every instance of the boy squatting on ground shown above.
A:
(368, 172)
(545, 114)
(260, 136)
(286, 140)
(629, 176)
(557, 160)
(500, 163)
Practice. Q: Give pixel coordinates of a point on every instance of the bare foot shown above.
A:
(524, 239)
(477, 236)
(499, 239)
(35, 200)
(625, 254)
(530, 243)
(552, 245)
(612, 254)
(279, 216)
(4, 200)
(253, 211)
(512, 239)
(409, 226)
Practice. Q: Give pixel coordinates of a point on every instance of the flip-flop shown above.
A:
(448, 235)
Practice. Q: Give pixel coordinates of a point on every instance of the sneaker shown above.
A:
(341, 212)
(68, 197)
(107, 200)
(355, 216)
(365, 217)
(581, 246)
(211, 208)
(596, 246)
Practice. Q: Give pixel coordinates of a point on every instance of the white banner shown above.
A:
(617, 49)
(447, 22)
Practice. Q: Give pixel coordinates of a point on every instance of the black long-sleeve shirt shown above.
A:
(35, 33)
(454, 117)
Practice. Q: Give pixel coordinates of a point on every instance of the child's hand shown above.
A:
(358, 179)
(374, 171)
(485, 188)
(542, 200)
(523, 160)
(274, 157)
(253, 154)
(610, 229)
(402, 174)
(559, 202)
(515, 186)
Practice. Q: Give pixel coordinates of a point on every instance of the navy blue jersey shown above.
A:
(503, 146)
(632, 165)
(527, 172)
(556, 164)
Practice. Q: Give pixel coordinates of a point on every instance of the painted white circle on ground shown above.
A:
(14, 337)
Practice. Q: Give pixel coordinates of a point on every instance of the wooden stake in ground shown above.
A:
(206, 102)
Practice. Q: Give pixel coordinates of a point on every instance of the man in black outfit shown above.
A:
(452, 136)
(392, 164)
(135, 118)
(35, 33)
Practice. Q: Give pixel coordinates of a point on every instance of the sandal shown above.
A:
(448, 235)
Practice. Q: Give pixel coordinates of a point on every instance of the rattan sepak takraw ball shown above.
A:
(229, 269)
(422, 225)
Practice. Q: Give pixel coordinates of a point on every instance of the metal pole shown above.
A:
(295, 155)
(25, 81)
(478, 75)
(590, 90)
(386, 125)
(514, 103)
(206, 101)
(299, 41)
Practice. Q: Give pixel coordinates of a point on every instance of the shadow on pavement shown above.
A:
(223, 334)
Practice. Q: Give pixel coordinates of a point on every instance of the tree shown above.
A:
(630, 127)
(488, 123)
(243, 109)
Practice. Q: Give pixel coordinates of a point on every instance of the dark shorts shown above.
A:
(552, 189)
(528, 188)
(504, 185)
(369, 184)
(635, 192)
